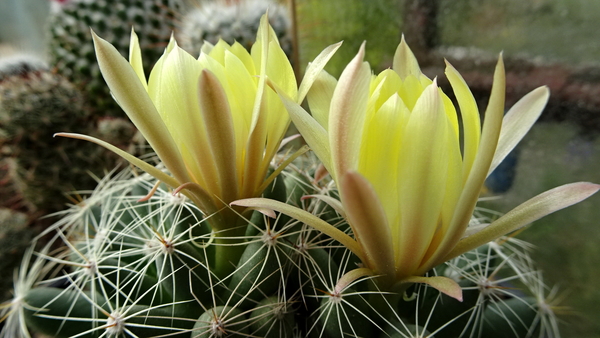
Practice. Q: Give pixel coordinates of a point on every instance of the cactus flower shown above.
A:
(392, 143)
(212, 121)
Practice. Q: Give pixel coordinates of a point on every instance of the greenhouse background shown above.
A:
(544, 42)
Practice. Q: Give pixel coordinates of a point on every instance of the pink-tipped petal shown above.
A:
(220, 133)
(346, 117)
(349, 277)
(369, 223)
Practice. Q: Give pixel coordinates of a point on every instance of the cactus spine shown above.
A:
(136, 268)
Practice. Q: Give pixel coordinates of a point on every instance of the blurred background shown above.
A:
(545, 42)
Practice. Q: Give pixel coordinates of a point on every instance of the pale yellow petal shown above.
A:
(206, 47)
(135, 58)
(380, 150)
(450, 112)
(313, 133)
(369, 224)
(280, 71)
(242, 54)
(410, 91)
(405, 63)
(177, 101)
(454, 186)
(218, 51)
(319, 97)
(255, 147)
(315, 70)
(487, 148)
(517, 122)
(389, 86)
(422, 180)
(219, 132)
(133, 98)
(278, 121)
(346, 117)
(260, 47)
(530, 211)
(470, 118)
(259, 54)
(241, 87)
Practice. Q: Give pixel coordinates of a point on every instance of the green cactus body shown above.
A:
(272, 318)
(221, 321)
(56, 312)
(64, 313)
(401, 330)
(257, 274)
(136, 264)
(514, 317)
(345, 315)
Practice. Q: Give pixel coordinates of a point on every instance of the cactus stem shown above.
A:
(228, 250)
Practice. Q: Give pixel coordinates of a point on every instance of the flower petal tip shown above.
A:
(247, 203)
(444, 285)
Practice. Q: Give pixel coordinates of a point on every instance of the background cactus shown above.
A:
(72, 52)
(131, 266)
(15, 237)
(233, 21)
(38, 99)
(34, 103)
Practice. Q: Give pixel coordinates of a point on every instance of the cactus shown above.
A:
(143, 268)
(35, 103)
(15, 237)
(232, 21)
(71, 49)
(176, 251)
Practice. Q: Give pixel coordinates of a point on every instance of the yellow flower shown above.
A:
(392, 143)
(212, 121)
